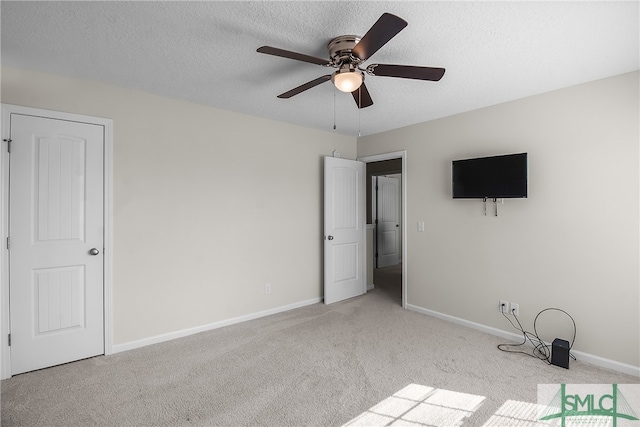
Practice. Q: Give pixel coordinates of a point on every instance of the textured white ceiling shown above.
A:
(205, 52)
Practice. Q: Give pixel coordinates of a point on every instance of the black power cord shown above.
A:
(541, 350)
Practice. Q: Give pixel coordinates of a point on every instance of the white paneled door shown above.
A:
(388, 225)
(56, 231)
(344, 229)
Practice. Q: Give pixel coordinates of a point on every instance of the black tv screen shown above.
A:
(497, 177)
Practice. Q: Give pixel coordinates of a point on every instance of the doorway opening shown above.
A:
(386, 209)
(386, 219)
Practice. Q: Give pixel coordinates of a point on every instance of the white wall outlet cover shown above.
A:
(503, 306)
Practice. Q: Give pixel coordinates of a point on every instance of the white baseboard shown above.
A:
(585, 357)
(370, 287)
(117, 348)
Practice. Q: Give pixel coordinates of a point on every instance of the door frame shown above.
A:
(5, 131)
(405, 254)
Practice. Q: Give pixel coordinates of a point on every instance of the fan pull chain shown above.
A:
(334, 108)
(359, 108)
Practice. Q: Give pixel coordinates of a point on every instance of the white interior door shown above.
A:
(388, 226)
(344, 229)
(56, 232)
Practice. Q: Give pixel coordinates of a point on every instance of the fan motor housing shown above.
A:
(340, 48)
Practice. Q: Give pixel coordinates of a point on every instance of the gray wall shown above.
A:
(209, 205)
(572, 244)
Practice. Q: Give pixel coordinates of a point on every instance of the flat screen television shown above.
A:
(496, 177)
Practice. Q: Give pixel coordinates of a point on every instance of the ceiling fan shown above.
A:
(348, 52)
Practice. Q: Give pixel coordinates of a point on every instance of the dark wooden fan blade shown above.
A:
(406, 71)
(292, 55)
(385, 28)
(306, 86)
(362, 97)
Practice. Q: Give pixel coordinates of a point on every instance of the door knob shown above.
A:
(94, 251)
(329, 237)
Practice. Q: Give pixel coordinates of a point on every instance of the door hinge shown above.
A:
(8, 141)
(9, 340)
(8, 243)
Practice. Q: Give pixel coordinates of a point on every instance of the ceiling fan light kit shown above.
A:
(347, 52)
(347, 80)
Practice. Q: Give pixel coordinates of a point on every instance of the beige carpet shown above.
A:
(314, 366)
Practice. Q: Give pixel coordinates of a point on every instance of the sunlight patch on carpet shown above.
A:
(517, 414)
(419, 405)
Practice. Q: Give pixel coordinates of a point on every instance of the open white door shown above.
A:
(344, 229)
(388, 225)
(56, 232)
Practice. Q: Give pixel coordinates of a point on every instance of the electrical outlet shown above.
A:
(503, 306)
(515, 309)
(267, 288)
